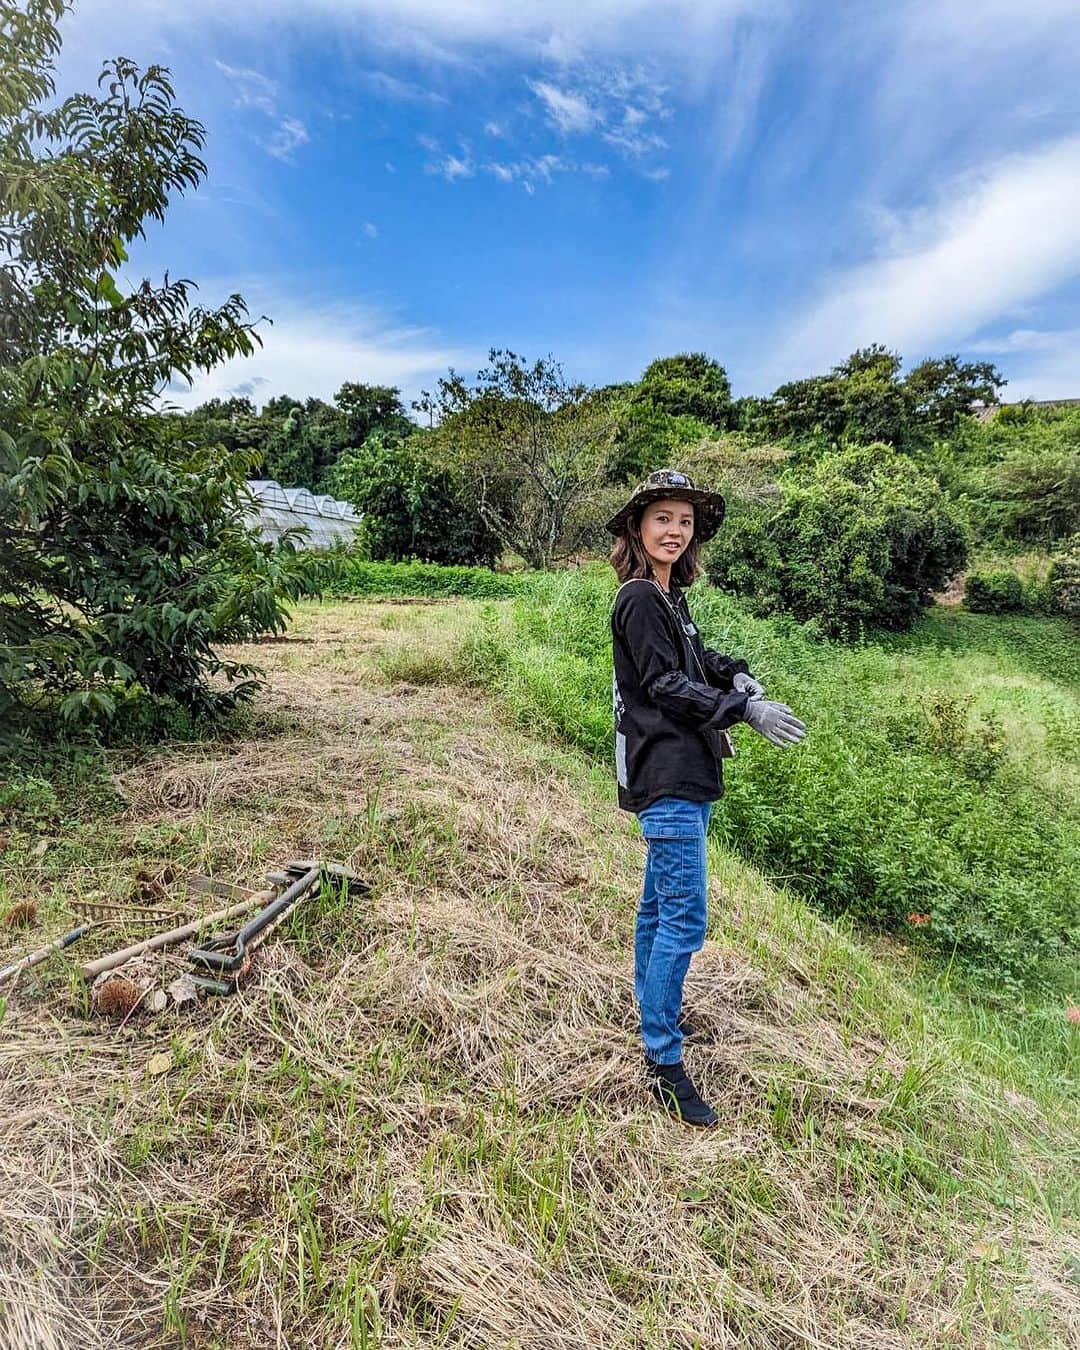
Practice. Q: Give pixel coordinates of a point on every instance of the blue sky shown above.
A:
(402, 185)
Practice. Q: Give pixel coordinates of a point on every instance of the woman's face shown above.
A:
(667, 526)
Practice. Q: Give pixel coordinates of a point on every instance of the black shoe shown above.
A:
(674, 1089)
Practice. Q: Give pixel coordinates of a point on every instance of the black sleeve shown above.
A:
(721, 670)
(643, 625)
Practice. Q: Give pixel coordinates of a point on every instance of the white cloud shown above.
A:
(312, 352)
(370, 229)
(567, 110)
(1028, 340)
(537, 169)
(635, 143)
(1041, 363)
(291, 134)
(557, 30)
(993, 242)
(493, 129)
(451, 167)
(617, 102)
(398, 91)
(251, 89)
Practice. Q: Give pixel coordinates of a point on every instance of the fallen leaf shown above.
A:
(160, 1063)
(183, 991)
(40, 849)
(987, 1251)
(158, 1001)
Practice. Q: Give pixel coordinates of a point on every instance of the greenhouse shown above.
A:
(276, 509)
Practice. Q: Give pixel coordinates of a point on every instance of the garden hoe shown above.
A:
(225, 954)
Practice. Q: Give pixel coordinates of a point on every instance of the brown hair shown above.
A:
(629, 559)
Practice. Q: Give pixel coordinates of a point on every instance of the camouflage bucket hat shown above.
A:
(708, 506)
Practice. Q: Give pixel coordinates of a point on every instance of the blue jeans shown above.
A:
(671, 918)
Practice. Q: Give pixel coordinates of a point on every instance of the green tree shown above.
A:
(864, 399)
(812, 408)
(413, 507)
(688, 385)
(371, 407)
(528, 444)
(944, 389)
(125, 558)
(231, 422)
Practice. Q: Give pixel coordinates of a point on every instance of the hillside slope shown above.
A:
(422, 1123)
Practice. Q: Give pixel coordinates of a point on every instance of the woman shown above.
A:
(674, 700)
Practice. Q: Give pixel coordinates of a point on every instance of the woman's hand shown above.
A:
(775, 721)
(746, 684)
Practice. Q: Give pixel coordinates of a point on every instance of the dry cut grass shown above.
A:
(422, 1122)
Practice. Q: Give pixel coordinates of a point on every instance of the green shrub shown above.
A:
(864, 539)
(1017, 477)
(899, 802)
(1064, 579)
(412, 507)
(1000, 592)
(28, 797)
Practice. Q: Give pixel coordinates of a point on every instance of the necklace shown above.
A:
(688, 627)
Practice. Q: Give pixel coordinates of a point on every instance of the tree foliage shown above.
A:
(299, 442)
(125, 559)
(1017, 477)
(865, 399)
(528, 445)
(413, 507)
(864, 538)
(688, 385)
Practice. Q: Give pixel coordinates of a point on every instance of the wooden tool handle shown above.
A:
(35, 958)
(94, 968)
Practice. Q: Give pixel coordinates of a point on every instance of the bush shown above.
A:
(897, 803)
(1017, 477)
(995, 593)
(1064, 579)
(412, 506)
(864, 539)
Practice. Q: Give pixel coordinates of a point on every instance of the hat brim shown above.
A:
(709, 509)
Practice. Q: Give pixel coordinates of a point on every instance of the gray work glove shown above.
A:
(775, 721)
(746, 684)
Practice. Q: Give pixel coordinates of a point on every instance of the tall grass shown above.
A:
(936, 791)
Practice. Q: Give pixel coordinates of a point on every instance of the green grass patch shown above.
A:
(938, 779)
(354, 576)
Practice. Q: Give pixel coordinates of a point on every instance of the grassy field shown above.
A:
(421, 1123)
(940, 776)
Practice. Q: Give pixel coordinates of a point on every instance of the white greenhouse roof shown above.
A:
(276, 509)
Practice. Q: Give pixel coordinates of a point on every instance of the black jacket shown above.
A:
(670, 692)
